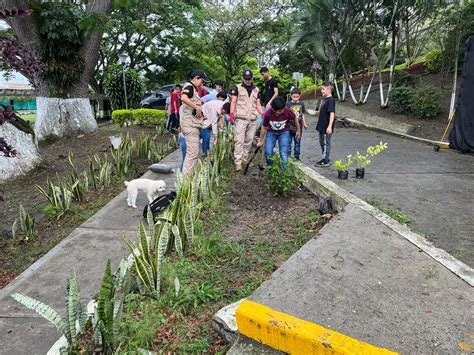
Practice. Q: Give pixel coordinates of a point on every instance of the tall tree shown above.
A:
(154, 34)
(66, 37)
(240, 31)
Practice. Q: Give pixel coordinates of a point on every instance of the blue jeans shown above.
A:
(297, 144)
(206, 139)
(284, 141)
(182, 144)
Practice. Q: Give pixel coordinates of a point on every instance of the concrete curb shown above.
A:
(292, 335)
(285, 332)
(443, 145)
(318, 184)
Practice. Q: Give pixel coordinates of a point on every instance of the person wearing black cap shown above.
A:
(244, 109)
(192, 120)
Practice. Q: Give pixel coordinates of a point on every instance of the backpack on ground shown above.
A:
(159, 204)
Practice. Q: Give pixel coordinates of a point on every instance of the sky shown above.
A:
(17, 78)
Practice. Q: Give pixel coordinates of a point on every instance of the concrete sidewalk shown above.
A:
(435, 189)
(365, 280)
(84, 251)
(363, 283)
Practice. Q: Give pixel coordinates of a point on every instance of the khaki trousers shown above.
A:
(244, 135)
(192, 136)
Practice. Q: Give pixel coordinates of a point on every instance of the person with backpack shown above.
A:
(244, 109)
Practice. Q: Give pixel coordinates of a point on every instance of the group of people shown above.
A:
(201, 114)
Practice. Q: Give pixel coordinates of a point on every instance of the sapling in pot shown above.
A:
(364, 160)
(341, 167)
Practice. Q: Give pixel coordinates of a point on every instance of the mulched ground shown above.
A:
(17, 256)
(251, 203)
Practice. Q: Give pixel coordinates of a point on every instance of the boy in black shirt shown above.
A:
(298, 109)
(325, 124)
(271, 88)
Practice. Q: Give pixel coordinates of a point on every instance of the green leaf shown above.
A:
(178, 243)
(72, 301)
(44, 311)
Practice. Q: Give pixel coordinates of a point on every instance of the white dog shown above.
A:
(150, 187)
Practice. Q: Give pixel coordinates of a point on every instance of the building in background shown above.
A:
(21, 96)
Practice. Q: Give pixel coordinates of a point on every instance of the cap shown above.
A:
(200, 73)
(247, 74)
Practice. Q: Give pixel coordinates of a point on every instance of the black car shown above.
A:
(157, 100)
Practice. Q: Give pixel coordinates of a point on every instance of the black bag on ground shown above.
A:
(324, 205)
(159, 204)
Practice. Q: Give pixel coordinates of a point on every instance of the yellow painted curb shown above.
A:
(296, 336)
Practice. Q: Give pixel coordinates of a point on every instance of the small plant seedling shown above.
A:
(283, 177)
(342, 165)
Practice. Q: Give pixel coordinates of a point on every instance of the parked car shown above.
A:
(157, 100)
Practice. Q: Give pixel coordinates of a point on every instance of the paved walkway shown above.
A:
(84, 251)
(359, 278)
(435, 189)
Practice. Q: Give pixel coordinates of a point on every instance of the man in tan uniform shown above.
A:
(192, 119)
(244, 109)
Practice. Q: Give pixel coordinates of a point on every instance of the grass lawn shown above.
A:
(29, 117)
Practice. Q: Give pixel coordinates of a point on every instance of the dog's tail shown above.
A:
(126, 183)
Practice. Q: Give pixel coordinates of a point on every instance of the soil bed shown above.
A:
(242, 238)
(16, 256)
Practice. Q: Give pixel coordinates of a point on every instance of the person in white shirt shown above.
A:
(214, 114)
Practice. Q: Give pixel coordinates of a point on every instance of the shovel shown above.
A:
(250, 161)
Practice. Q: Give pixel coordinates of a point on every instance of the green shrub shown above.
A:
(122, 116)
(426, 102)
(422, 102)
(434, 60)
(401, 98)
(115, 91)
(149, 117)
(306, 83)
(283, 177)
(404, 78)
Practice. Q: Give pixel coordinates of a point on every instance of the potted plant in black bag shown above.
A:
(341, 167)
(363, 160)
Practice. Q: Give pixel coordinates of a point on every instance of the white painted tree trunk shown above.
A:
(63, 117)
(27, 154)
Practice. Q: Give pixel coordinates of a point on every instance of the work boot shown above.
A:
(238, 166)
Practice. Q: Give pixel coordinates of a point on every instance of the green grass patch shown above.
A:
(218, 270)
(396, 214)
(29, 117)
